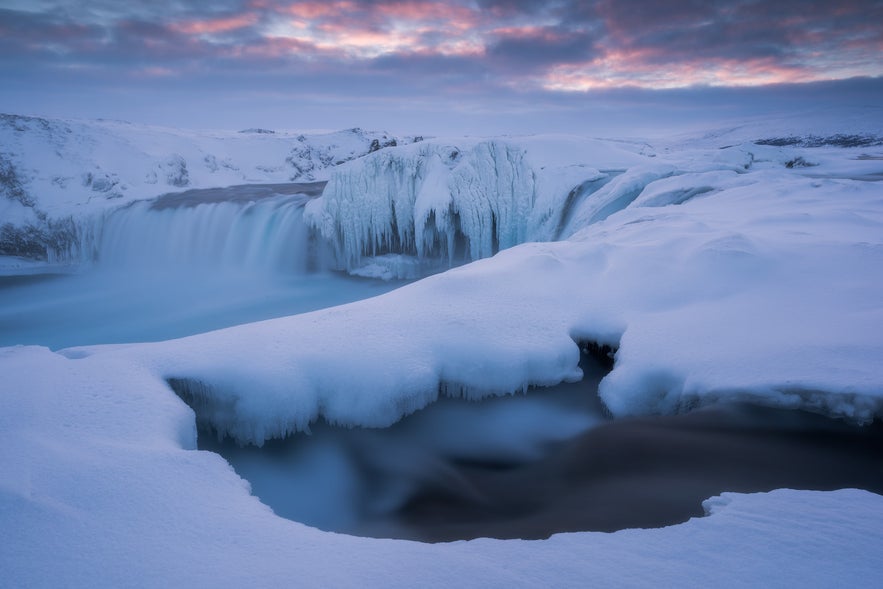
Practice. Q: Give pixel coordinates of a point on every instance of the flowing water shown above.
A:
(178, 265)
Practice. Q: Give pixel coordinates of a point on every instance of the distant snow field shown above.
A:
(528, 335)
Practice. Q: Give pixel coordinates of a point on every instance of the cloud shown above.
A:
(208, 26)
(791, 31)
(419, 51)
(540, 47)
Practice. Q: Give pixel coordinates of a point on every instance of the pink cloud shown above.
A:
(453, 15)
(318, 10)
(633, 69)
(215, 25)
(368, 30)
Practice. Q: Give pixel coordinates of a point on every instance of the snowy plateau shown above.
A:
(262, 287)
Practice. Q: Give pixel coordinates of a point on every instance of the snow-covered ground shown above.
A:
(720, 268)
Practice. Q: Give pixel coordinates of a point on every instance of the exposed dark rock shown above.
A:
(798, 162)
(838, 140)
(43, 241)
(10, 184)
(176, 171)
(602, 353)
(377, 145)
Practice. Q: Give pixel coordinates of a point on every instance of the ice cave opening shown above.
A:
(535, 464)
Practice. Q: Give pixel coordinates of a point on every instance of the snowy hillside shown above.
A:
(55, 173)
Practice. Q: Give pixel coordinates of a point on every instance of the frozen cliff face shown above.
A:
(432, 200)
(457, 202)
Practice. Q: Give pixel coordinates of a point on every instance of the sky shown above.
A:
(424, 66)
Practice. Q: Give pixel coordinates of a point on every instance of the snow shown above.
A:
(70, 168)
(718, 274)
(101, 486)
(765, 289)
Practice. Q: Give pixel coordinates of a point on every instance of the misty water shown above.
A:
(179, 265)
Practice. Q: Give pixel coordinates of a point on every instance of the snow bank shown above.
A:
(101, 487)
(765, 288)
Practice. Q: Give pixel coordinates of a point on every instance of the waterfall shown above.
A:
(267, 235)
(180, 264)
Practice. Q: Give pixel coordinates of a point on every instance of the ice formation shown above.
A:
(101, 486)
(718, 274)
(693, 294)
(430, 200)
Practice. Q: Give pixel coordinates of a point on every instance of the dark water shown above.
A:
(550, 461)
(649, 472)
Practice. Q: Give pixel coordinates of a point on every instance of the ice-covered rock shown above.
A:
(431, 200)
(462, 200)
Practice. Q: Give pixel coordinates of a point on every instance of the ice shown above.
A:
(614, 196)
(100, 486)
(680, 189)
(457, 201)
(434, 199)
(699, 293)
(719, 275)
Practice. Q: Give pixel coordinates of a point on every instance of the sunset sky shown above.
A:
(427, 66)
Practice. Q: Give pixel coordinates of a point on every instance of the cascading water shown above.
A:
(267, 235)
(182, 264)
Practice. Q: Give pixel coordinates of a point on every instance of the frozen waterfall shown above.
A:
(444, 204)
(428, 201)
